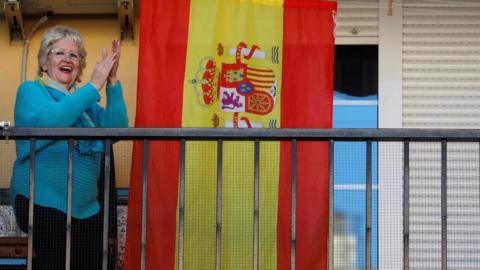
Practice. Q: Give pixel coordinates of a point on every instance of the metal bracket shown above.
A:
(5, 128)
(13, 15)
(5, 125)
(126, 19)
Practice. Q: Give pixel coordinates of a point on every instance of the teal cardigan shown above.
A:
(40, 106)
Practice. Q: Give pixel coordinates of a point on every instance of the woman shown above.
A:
(54, 99)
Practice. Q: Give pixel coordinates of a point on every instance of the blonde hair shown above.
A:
(55, 34)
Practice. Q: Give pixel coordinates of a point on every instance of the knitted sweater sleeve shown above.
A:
(34, 107)
(115, 113)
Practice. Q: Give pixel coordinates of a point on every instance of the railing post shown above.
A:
(406, 204)
(68, 238)
(331, 201)
(181, 208)
(30, 204)
(368, 206)
(218, 247)
(444, 204)
(144, 205)
(106, 202)
(256, 206)
(293, 241)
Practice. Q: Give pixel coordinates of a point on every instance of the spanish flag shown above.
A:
(236, 64)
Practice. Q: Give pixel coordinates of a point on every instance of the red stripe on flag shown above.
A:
(306, 102)
(259, 81)
(162, 53)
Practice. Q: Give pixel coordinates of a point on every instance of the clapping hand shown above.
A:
(106, 69)
(112, 77)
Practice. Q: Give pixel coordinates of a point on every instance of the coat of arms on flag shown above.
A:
(237, 87)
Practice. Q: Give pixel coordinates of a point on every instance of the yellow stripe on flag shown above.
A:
(233, 47)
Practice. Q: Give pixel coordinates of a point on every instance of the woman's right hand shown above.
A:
(112, 78)
(102, 70)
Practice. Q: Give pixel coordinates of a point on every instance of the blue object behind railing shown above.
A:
(350, 175)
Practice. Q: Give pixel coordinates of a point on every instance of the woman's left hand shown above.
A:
(112, 77)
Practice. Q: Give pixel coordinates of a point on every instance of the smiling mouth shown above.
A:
(66, 69)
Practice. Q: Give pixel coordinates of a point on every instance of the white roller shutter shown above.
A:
(441, 64)
(441, 89)
(357, 22)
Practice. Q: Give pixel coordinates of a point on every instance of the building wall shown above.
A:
(98, 31)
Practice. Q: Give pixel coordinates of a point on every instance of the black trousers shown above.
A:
(49, 234)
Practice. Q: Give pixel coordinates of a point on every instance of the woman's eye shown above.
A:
(59, 54)
(73, 56)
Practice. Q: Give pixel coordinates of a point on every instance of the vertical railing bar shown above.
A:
(377, 213)
(331, 201)
(68, 238)
(106, 202)
(443, 197)
(293, 241)
(181, 210)
(256, 205)
(30, 204)
(218, 247)
(406, 204)
(368, 208)
(143, 248)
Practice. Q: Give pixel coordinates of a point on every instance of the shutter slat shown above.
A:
(357, 18)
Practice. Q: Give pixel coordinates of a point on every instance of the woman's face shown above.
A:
(63, 62)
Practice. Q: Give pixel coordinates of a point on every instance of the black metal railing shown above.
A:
(369, 136)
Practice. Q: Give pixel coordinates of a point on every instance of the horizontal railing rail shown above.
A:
(392, 134)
